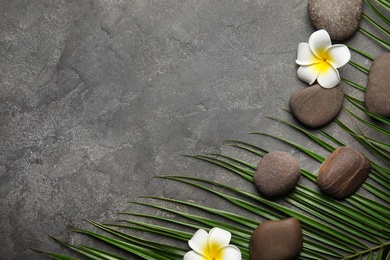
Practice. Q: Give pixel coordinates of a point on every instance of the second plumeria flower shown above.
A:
(212, 246)
(319, 60)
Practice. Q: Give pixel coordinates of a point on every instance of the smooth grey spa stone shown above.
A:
(316, 106)
(340, 18)
(276, 174)
(377, 95)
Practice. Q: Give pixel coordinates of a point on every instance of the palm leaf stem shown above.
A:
(369, 250)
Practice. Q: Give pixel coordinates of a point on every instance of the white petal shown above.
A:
(309, 73)
(329, 77)
(319, 41)
(230, 252)
(338, 55)
(305, 56)
(219, 237)
(198, 242)
(192, 255)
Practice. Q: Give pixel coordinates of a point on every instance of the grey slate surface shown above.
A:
(99, 96)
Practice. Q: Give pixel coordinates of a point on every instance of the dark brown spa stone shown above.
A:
(276, 174)
(343, 172)
(377, 95)
(340, 18)
(276, 239)
(316, 106)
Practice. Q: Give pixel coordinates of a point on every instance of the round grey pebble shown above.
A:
(316, 106)
(340, 18)
(377, 96)
(277, 174)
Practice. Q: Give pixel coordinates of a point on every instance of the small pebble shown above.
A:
(340, 18)
(316, 106)
(277, 174)
(343, 172)
(276, 239)
(377, 96)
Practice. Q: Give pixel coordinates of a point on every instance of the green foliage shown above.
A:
(355, 228)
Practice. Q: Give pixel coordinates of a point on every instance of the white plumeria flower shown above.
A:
(319, 60)
(212, 246)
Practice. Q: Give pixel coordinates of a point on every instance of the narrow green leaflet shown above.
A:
(353, 84)
(377, 25)
(384, 3)
(377, 12)
(55, 256)
(364, 54)
(359, 67)
(374, 38)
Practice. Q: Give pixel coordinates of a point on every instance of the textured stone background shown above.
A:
(99, 96)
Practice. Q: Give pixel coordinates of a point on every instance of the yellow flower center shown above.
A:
(212, 251)
(321, 64)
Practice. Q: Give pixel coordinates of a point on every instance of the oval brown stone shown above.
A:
(340, 18)
(276, 239)
(316, 106)
(277, 174)
(343, 172)
(377, 96)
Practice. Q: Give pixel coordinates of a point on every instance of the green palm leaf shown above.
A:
(355, 228)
